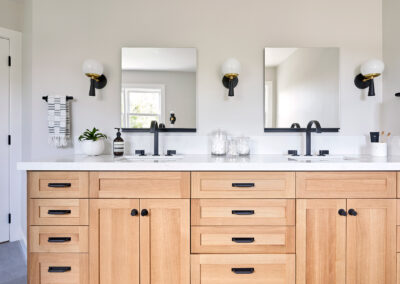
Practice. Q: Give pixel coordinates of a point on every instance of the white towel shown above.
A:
(58, 110)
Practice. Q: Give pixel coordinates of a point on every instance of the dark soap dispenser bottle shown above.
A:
(118, 144)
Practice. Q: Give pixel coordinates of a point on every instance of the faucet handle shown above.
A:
(140, 152)
(292, 152)
(323, 152)
(171, 152)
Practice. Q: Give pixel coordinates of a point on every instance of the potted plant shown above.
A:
(92, 142)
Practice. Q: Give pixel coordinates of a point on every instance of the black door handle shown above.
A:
(342, 212)
(59, 212)
(249, 270)
(134, 212)
(59, 185)
(243, 240)
(243, 212)
(250, 184)
(352, 212)
(144, 212)
(59, 240)
(59, 269)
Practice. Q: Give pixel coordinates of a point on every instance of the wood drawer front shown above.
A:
(58, 239)
(140, 184)
(243, 185)
(74, 268)
(268, 269)
(398, 185)
(346, 185)
(246, 212)
(42, 211)
(398, 238)
(243, 239)
(58, 184)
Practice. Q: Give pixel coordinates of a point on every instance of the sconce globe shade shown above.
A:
(91, 66)
(373, 66)
(231, 66)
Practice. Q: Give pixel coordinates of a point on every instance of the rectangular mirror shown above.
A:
(158, 84)
(301, 84)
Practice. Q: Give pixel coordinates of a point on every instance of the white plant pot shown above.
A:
(93, 148)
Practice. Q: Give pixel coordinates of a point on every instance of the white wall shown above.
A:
(308, 88)
(64, 33)
(180, 93)
(11, 12)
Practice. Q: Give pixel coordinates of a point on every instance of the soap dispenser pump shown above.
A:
(118, 144)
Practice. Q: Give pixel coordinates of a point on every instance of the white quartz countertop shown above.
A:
(210, 163)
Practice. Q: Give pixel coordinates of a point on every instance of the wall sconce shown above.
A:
(230, 71)
(369, 70)
(94, 70)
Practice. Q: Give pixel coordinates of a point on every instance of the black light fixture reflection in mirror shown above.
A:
(369, 70)
(230, 71)
(94, 70)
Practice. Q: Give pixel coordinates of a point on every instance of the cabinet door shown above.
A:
(320, 241)
(371, 241)
(165, 241)
(114, 241)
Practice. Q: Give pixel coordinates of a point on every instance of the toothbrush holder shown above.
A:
(379, 149)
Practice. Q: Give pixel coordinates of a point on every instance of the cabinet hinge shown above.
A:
(9, 61)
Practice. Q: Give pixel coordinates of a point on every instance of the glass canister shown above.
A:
(233, 146)
(243, 146)
(218, 143)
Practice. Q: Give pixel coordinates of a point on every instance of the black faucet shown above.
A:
(154, 129)
(318, 129)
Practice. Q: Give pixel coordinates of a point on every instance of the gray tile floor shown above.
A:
(12, 264)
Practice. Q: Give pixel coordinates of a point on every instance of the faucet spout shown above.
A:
(309, 129)
(154, 129)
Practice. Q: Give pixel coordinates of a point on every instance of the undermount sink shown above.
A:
(316, 158)
(154, 158)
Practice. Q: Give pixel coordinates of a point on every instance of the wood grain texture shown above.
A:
(268, 268)
(346, 185)
(266, 212)
(38, 184)
(398, 185)
(320, 241)
(114, 241)
(38, 211)
(165, 241)
(40, 263)
(39, 238)
(139, 184)
(371, 242)
(266, 184)
(398, 239)
(267, 239)
(398, 268)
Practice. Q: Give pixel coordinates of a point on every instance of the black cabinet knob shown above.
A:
(352, 212)
(342, 212)
(134, 212)
(144, 212)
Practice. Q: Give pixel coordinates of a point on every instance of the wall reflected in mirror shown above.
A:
(301, 84)
(158, 84)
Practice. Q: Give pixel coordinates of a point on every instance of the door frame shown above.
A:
(17, 194)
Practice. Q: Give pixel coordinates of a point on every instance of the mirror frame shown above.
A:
(145, 130)
(295, 130)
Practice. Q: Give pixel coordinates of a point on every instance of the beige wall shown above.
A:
(64, 33)
(391, 77)
(11, 14)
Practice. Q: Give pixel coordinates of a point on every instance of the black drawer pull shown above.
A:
(59, 212)
(59, 185)
(59, 269)
(243, 270)
(59, 239)
(243, 212)
(251, 184)
(243, 240)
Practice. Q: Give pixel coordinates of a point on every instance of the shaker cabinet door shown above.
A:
(164, 241)
(114, 241)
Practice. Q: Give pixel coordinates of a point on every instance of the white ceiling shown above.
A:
(159, 59)
(275, 56)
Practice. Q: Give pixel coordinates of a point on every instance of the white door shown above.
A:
(4, 131)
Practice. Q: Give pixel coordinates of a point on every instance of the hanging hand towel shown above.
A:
(59, 120)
